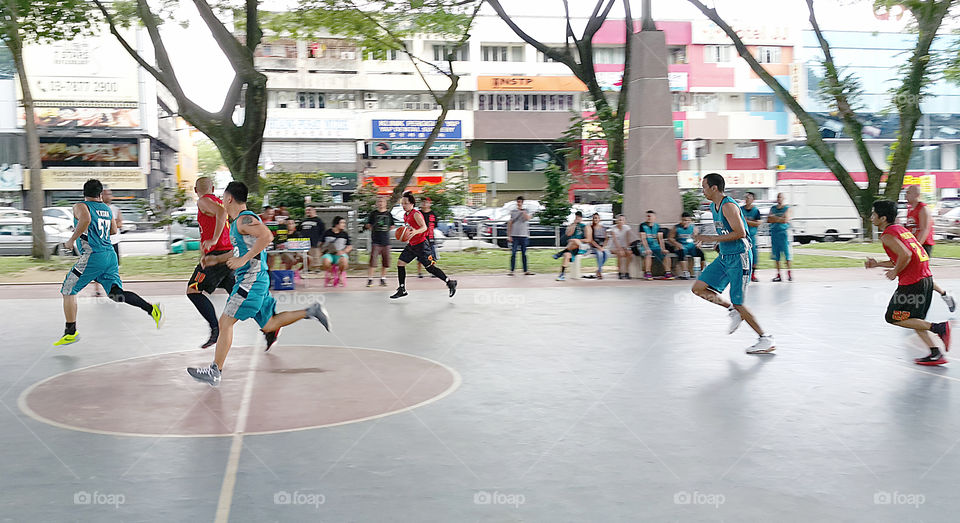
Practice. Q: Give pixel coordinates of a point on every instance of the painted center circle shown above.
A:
(293, 388)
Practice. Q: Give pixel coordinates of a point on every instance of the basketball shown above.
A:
(403, 233)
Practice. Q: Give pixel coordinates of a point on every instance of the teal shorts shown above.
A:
(251, 300)
(780, 246)
(101, 267)
(729, 269)
(334, 258)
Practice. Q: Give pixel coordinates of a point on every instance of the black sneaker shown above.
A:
(209, 375)
(214, 334)
(271, 339)
(420, 275)
(777, 278)
(452, 285)
(528, 273)
(401, 292)
(931, 360)
(383, 282)
(369, 283)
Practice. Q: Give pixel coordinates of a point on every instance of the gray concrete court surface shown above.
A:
(561, 403)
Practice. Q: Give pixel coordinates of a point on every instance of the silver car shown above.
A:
(16, 238)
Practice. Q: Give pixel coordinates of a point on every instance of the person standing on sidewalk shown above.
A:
(779, 220)
(518, 236)
(380, 221)
(751, 213)
(920, 224)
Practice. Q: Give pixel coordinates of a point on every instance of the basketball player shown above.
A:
(779, 220)
(107, 198)
(732, 266)
(417, 248)
(430, 218)
(212, 271)
(250, 297)
(751, 213)
(93, 225)
(909, 264)
(920, 223)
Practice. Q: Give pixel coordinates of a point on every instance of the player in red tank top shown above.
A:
(910, 264)
(212, 271)
(417, 248)
(920, 223)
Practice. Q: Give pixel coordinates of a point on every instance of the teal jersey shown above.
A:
(723, 227)
(779, 227)
(578, 232)
(97, 236)
(685, 234)
(242, 243)
(652, 231)
(751, 214)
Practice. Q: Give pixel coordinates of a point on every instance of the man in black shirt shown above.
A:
(379, 222)
(312, 227)
(431, 219)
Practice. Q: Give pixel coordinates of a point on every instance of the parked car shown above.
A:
(946, 204)
(948, 224)
(16, 238)
(540, 235)
(469, 223)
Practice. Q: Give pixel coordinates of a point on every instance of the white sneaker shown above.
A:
(735, 320)
(952, 305)
(764, 345)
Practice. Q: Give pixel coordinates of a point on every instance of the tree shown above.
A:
(208, 158)
(841, 89)
(238, 143)
(37, 21)
(290, 190)
(452, 191)
(381, 26)
(577, 54)
(556, 196)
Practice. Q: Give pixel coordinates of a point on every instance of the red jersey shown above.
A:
(913, 222)
(919, 266)
(208, 224)
(410, 219)
(431, 219)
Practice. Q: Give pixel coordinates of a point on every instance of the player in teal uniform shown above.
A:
(250, 297)
(732, 266)
(651, 245)
(92, 226)
(682, 244)
(779, 219)
(751, 213)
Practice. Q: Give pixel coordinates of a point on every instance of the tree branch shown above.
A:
(126, 46)
(159, 50)
(570, 34)
(595, 21)
(564, 58)
(254, 32)
(228, 43)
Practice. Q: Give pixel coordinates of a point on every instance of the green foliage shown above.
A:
(208, 157)
(167, 200)
(366, 198)
(43, 21)
(445, 195)
(291, 189)
(556, 196)
(692, 199)
(849, 88)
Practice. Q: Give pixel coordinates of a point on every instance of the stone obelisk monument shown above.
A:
(650, 173)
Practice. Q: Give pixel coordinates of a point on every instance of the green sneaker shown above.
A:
(67, 339)
(157, 314)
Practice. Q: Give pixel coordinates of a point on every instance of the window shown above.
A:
(746, 151)
(678, 55)
(383, 54)
(494, 53)
(713, 54)
(681, 102)
(768, 55)
(708, 103)
(608, 55)
(917, 157)
(544, 58)
(526, 102)
(525, 156)
(310, 100)
(761, 103)
(440, 53)
(800, 158)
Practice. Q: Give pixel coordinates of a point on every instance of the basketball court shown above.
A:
(586, 401)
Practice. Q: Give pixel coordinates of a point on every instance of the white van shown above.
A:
(821, 210)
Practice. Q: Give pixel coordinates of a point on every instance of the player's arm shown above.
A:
(82, 214)
(421, 224)
(251, 227)
(772, 218)
(923, 228)
(114, 228)
(732, 213)
(509, 227)
(786, 216)
(753, 223)
(904, 256)
(672, 239)
(212, 208)
(570, 228)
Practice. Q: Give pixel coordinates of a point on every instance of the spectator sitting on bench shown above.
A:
(598, 243)
(336, 245)
(618, 241)
(651, 245)
(578, 239)
(682, 244)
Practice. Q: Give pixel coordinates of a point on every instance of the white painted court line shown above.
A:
(233, 462)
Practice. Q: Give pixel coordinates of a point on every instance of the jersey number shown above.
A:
(104, 228)
(921, 253)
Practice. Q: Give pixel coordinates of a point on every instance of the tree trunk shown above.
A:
(34, 162)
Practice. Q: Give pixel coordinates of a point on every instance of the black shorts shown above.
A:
(929, 249)
(421, 252)
(212, 277)
(116, 249)
(910, 301)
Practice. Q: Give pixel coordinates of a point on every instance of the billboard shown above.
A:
(92, 117)
(73, 152)
(308, 128)
(530, 83)
(72, 179)
(594, 153)
(415, 129)
(391, 148)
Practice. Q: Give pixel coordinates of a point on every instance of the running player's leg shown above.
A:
(80, 275)
(407, 256)
(711, 283)
(908, 307)
(202, 281)
(427, 259)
